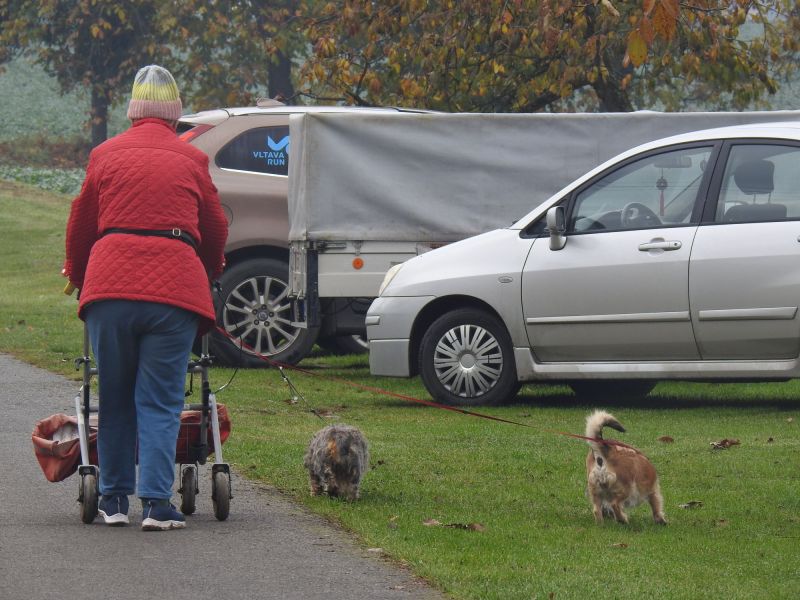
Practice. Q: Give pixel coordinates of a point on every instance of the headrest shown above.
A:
(755, 177)
(752, 213)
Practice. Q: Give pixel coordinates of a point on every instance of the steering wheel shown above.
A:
(636, 214)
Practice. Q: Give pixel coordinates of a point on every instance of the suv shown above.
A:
(248, 150)
(675, 260)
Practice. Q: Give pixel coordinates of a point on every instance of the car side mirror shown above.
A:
(556, 226)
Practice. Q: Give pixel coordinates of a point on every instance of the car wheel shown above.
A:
(604, 389)
(254, 308)
(344, 344)
(465, 359)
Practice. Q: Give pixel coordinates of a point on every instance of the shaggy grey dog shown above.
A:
(336, 459)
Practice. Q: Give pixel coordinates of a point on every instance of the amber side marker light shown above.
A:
(358, 263)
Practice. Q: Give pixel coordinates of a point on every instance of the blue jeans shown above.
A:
(142, 352)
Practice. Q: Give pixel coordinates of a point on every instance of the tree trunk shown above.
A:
(99, 116)
(609, 89)
(612, 97)
(279, 73)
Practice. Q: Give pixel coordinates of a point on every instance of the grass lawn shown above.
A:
(513, 521)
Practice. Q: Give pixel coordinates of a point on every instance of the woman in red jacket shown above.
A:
(144, 236)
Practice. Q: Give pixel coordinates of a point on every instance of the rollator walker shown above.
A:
(194, 454)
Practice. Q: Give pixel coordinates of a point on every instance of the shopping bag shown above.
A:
(189, 434)
(57, 446)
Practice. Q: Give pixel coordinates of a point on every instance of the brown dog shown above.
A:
(619, 476)
(336, 459)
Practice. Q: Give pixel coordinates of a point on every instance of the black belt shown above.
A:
(174, 233)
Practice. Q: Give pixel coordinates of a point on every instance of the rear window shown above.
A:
(183, 127)
(260, 150)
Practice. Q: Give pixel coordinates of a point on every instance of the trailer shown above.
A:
(369, 191)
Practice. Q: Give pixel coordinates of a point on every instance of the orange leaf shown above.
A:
(646, 30)
(637, 49)
(672, 7)
(664, 24)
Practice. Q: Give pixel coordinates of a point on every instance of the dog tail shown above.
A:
(594, 429)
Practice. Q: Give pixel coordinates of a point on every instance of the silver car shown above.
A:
(678, 259)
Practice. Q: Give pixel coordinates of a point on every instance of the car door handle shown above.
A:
(660, 245)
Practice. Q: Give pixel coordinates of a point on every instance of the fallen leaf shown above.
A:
(724, 444)
(692, 504)
(619, 545)
(431, 523)
(666, 439)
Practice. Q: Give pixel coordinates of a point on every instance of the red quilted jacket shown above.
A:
(146, 178)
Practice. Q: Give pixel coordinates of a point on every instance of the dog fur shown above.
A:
(619, 476)
(336, 459)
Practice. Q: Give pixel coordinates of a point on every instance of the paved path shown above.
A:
(268, 548)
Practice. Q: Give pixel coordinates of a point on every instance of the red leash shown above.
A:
(383, 392)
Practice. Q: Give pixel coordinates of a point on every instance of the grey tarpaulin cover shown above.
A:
(443, 177)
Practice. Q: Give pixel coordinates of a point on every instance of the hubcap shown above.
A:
(258, 313)
(468, 361)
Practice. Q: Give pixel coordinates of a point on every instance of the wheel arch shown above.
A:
(235, 257)
(436, 309)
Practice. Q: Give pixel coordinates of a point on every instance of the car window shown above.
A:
(260, 150)
(656, 191)
(761, 183)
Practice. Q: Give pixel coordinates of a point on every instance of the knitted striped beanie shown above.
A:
(154, 94)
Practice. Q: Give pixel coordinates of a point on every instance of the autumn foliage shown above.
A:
(451, 55)
(518, 55)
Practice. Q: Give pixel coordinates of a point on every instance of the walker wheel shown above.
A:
(188, 489)
(88, 497)
(221, 494)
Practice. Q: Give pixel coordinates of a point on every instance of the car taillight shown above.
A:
(188, 136)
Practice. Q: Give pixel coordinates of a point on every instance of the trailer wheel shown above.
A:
(88, 497)
(254, 309)
(188, 489)
(465, 359)
(221, 494)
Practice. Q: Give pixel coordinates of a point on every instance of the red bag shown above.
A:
(57, 446)
(189, 433)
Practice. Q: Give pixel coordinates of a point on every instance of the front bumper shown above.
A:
(389, 324)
